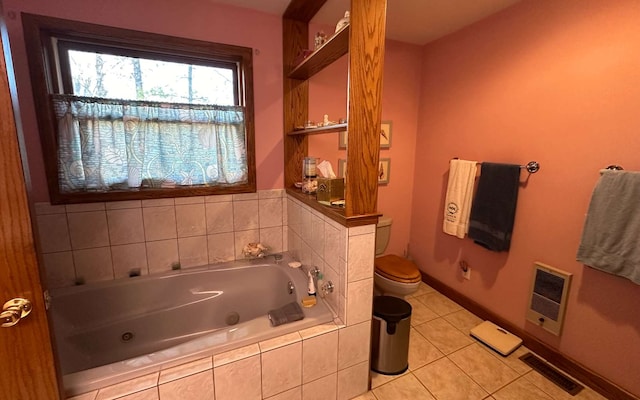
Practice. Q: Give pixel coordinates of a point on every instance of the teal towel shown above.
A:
(612, 227)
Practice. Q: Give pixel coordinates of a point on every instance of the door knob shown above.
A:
(13, 311)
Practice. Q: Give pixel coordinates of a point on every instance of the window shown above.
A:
(127, 115)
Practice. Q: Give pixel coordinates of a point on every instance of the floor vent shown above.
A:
(565, 383)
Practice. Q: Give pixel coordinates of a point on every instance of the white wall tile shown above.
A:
(93, 265)
(161, 255)
(321, 389)
(45, 208)
(353, 381)
(219, 217)
(361, 257)
(238, 380)
(193, 251)
(359, 301)
(270, 212)
(245, 196)
(242, 238)
(280, 341)
(332, 245)
(59, 269)
(292, 394)
(183, 370)
(220, 198)
(317, 234)
(129, 257)
(88, 229)
(285, 238)
(318, 330)
(306, 224)
(272, 238)
(221, 247)
(73, 208)
(189, 200)
(148, 394)
(332, 299)
(293, 215)
(125, 226)
(120, 205)
(353, 344)
(285, 211)
(362, 230)
(319, 356)
(159, 223)
(191, 220)
(236, 355)
(158, 202)
(198, 386)
(245, 215)
(128, 387)
(281, 369)
(270, 194)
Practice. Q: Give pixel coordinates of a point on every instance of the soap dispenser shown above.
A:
(311, 291)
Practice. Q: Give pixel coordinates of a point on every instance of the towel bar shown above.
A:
(532, 166)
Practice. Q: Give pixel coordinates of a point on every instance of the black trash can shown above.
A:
(390, 335)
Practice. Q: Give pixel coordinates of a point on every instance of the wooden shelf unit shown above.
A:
(319, 130)
(334, 48)
(363, 41)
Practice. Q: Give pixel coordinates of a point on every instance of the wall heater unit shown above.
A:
(549, 293)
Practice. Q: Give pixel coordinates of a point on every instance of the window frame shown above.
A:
(41, 36)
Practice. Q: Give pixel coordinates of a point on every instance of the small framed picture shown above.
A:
(385, 136)
(383, 171)
(342, 168)
(342, 140)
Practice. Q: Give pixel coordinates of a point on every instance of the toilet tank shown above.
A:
(383, 232)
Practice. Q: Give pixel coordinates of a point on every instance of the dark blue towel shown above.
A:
(494, 206)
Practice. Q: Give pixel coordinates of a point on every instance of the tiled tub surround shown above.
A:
(101, 241)
(171, 319)
(326, 362)
(302, 365)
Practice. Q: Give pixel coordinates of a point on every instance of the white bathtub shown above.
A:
(113, 331)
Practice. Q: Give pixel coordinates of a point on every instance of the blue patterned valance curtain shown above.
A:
(106, 144)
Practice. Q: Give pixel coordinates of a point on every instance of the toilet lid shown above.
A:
(397, 269)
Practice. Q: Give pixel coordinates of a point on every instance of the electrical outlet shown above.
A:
(466, 274)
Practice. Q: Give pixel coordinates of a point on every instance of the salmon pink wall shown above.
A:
(202, 20)
(552, 81)
(400, 96)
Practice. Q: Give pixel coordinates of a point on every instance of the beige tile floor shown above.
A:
(445, 363)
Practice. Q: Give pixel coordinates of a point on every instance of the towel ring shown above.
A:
(615, 167)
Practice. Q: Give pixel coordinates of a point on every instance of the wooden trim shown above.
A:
(295, 100)
(319, 130)
(303, 10)
(334, 48)
(366, 62)
(44, 79)
(335, 213)
(28, 369)
(596, 382)
(144, 194)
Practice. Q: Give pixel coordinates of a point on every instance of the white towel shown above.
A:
(612, 226)
(457, 202)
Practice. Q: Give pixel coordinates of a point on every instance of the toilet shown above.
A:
(394, 275)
